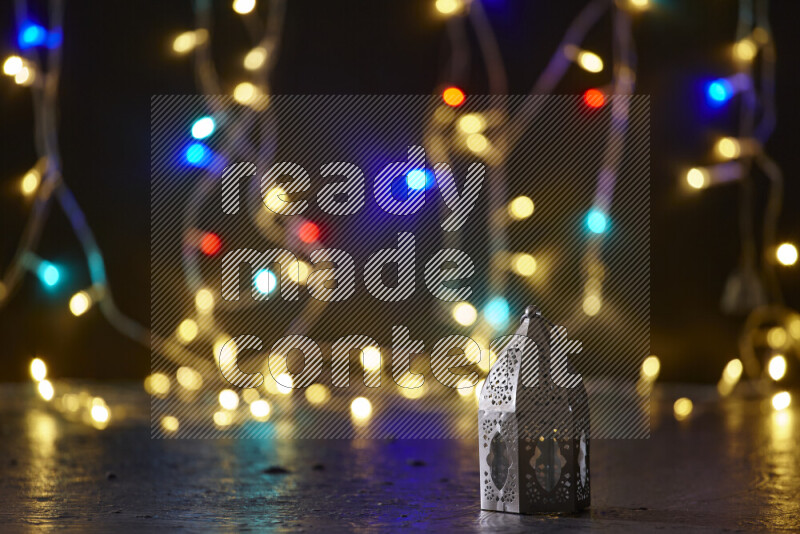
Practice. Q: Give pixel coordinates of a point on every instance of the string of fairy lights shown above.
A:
(37, 65)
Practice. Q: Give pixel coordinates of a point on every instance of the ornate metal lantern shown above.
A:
(533, 424)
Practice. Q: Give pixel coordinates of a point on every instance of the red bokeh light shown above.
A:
(308, 232)
(453, 96)
(210, 244)
(594, 98)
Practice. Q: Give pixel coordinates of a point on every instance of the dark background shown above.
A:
(118, 54)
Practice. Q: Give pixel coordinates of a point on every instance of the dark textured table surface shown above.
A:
(732, 466)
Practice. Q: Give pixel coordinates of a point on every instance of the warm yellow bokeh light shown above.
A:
(733, 371)
(477, 143)
(471, 123)
(30, 182)
(46, 390)
(255, 58)
(245, 92)
(204, 301)
(25, 76)
(170, 423)
(189, 378)
(745, 50)
(244, 7)
(187, 330)
(38, 369)
(284, 383)
(361, 408)
(776, 337)
(786, 254)
(697, 178)
(80, 303)
(639, 4)
(298, 272)
(371, 358)
(464, 388)
(228, 399)
(12, 65)
(728, 148)
(592, 305)
(651, 366)
(157, 384)
(448, 7)
(683, 408)
(259, 409)
(520, 208)
(317, 394)
(523, 264)
(223, 419)
(777, 367)
(465, 313)
(589, 61)
(100, 412)
(782, 400)
(274, 200)
(187, 41)
(410, 387)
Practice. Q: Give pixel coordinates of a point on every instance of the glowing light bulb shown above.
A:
(308, 232)
(477, 143)
(244, 7)
(520, 208)
(157, 384)
(259, 409)
(745, 50)
(777, 367)
(592, 305)
(371, 358)
(683, 408)
(203, 127)
(38, 369)
(170, 423)
(523, 264)
(189, 378)
(204, 301)
(100, 412)
(197, 154)
(465, 313)
(25, 76)
(265, 281)
(786, 254)
(497, 312)
(728, 148)
(719, 92)
(31, 35)
(48, 273)
(589, 61)
(733, 371)
(228, 399)
(416, 179)
(472, 123)
(449, 7)
(317, 394)
(284, 383)
(697, 178)
(596, 221)
(255, 58)
(594, 98)
(651, 366)
(80, 303)
(30, 182)
(46, 390)
(12, 65)
(361, 408)
(782, 400)
(453, 97)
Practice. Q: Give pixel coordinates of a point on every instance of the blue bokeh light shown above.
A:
(719, 92)
(265, 281)
(197, 154)
(497, 312)
(30, 35)
(597, 221)
(54, 38)
(48, 273)
(417, 179)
